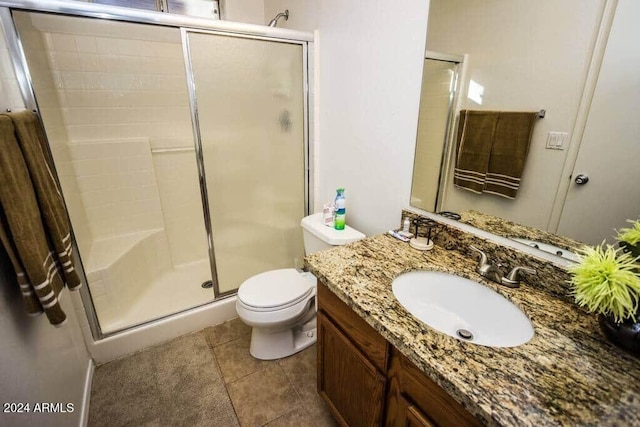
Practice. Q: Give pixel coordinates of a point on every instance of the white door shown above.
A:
(610, 151)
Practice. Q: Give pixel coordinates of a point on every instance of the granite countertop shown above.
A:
(510, 229)
(568, 374)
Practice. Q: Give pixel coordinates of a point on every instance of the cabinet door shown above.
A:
(415, 418)
(349, 383)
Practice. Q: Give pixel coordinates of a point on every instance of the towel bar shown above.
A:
(171, 150)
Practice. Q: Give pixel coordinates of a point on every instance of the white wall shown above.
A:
(303, 14)
(38, 362)
(370, 67)
(609, 150)
(528, 56)
(247, 11)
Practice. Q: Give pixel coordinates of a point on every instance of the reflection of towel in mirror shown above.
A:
(509, 151)
(474, 140)
(33, 222)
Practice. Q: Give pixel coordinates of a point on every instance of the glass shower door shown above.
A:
(115, 106)
(249, 108)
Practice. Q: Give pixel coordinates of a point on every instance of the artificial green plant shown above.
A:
(630, 235)
(606, 281)
(629, 238)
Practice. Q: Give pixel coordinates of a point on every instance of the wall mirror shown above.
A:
(576, 60)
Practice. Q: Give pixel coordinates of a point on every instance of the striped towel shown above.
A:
(34, 228)
(492, 148)
(474, 140)
(509, 153)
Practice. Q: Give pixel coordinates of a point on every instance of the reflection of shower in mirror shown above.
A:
(439, 82)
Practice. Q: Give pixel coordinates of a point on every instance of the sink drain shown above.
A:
(207, 285)
(464, 334)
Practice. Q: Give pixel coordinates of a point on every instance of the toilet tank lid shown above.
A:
(314, 225)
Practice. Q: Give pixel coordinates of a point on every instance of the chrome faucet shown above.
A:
(494, 273)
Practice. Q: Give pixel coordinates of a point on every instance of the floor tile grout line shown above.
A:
(304, 406)
(212, 346)
(280, 416)
(290, 382)
(300, 399)
(277, 363)
(224, 384)
(245, 376)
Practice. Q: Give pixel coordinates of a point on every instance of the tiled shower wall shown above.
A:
(9, 92)
(118, 186)
(122, 93)
(49, 105)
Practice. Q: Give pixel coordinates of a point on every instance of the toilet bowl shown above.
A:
(280, 305)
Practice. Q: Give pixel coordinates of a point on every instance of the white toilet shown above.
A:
(280, 304)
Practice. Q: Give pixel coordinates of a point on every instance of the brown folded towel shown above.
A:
(474, 141)
(33, 221)
(509, 151)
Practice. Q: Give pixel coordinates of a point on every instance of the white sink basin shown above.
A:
(552, 249)
(463, 309)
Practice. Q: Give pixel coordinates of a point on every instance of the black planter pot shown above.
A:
(625, 335)
(634, 250)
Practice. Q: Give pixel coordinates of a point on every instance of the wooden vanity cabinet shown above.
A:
(367, 382)
(352, 362)
(347, 380)
(415, 400)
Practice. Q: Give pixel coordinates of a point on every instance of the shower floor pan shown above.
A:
(176, 290)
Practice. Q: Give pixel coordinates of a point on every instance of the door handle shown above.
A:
(581, 179)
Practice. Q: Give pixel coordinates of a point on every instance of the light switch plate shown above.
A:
(556, 140)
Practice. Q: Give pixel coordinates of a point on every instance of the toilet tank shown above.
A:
(318, 236)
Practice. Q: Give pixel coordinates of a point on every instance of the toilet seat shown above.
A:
(274, 290)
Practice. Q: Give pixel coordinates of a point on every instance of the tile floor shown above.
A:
(208, 378)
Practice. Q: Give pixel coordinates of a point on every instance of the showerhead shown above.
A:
(274, 21)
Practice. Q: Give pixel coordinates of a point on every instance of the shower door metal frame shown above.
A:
(195, 121)
(184, 23)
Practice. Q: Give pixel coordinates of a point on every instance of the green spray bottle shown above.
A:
(340, 215)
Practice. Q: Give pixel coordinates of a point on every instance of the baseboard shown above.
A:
(86, 397)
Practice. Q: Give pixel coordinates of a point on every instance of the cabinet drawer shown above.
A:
(415, 418)
(363, 336)
(441, 408)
